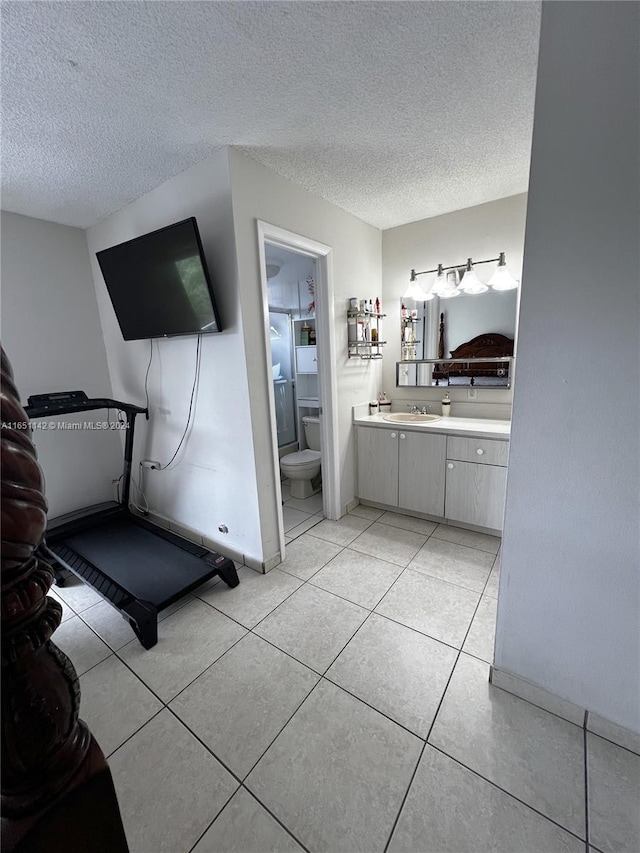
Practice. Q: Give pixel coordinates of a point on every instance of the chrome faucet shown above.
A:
(416, 411)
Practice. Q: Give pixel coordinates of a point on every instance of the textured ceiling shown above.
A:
(395, 111)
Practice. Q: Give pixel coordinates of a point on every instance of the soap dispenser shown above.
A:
(446, 405)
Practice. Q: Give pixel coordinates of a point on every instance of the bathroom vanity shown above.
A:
(452, 469)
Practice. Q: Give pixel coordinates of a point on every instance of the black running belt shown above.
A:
(148, 566)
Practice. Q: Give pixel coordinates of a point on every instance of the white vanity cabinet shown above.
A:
(476, 481)
(402, 469)
(436, 472)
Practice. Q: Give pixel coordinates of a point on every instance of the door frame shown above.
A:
(327, 380)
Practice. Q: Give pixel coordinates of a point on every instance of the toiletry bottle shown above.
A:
(446, 405)
(384, 403)
(304, 335)
(312, 337)
(373, 407)
(352, 327)
(377, 305)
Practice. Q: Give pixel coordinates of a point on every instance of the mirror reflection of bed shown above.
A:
(490, 345)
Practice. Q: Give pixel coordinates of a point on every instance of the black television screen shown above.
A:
(159, 284)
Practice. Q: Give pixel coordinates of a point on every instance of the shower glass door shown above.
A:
(281, 336)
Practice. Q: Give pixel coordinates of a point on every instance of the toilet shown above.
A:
(303, 467)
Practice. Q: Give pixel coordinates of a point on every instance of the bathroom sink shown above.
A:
(408, 418)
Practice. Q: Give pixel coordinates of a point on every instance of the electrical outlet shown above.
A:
(472, 393)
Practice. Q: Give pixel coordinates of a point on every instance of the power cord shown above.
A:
(144, 510)
(193, 391)
(146, 379)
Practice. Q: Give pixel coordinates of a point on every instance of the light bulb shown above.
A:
(415, 292)
(502, 278)
(470, 282)
(440, 283)
(451, 285)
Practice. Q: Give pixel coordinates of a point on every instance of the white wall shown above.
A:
(214, 482)
(569, 613)
(51, 333)
(478, 232)
(259, 193)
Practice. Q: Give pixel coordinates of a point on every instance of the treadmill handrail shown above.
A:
(65, 408)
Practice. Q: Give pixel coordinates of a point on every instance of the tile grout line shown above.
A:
(133, 734)
(435, 717)
(433, 722)
(404, 799)
(276, 818)
(210, 824)
(280, 730)
(372, 707)
(505, 791)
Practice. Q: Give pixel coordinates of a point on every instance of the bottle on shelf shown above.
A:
(312, 337)
(377, 305)
(352, 327)
(304, 335)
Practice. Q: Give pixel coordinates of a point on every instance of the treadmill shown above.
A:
(137, 567)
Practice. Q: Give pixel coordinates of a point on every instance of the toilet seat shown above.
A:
(302, 459)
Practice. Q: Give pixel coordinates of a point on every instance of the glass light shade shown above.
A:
(451, 285)
(471, 283)
(502, 279)
(440, 283)
(415, 292)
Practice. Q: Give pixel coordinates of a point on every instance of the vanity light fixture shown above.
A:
(445, 288)
(470, 282)
(451, 285)
(440, 284)
(502, 278)
(415, 292)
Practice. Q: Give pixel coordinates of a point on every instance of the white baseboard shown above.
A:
(351, 505)
(613, 732)
(576, 714)
(263, 566)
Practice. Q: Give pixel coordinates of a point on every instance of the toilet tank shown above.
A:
(312, 432)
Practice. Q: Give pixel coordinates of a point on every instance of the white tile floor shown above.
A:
(341, 703)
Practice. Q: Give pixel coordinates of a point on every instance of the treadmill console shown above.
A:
(68, 402)
(50, 401)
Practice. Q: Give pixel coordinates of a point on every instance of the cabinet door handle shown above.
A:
(450, 465)
(402, 435)
(394, 435)
(479, 451)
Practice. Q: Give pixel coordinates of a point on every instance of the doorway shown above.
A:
(297, 297)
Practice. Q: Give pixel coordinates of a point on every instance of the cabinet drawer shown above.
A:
(306, 360)
(486, 451)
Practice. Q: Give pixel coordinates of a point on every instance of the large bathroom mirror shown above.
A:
(464, 341)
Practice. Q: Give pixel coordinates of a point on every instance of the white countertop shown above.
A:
(472, 427)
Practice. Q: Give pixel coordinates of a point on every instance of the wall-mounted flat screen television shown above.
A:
(159, 284)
